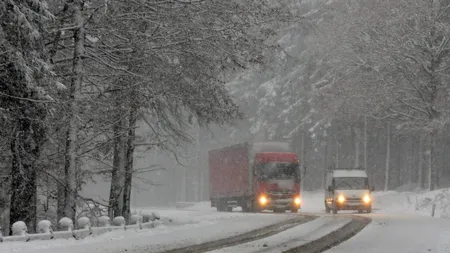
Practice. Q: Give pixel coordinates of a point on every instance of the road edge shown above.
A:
(334, 238)
(245, 237)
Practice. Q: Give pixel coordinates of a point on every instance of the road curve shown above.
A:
(399, 233)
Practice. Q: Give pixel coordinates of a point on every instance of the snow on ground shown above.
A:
(195, 225)
(399, 233)
(419, 203)
(291, 238)
(390, 209)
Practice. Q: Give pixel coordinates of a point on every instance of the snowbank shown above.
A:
(419, 202)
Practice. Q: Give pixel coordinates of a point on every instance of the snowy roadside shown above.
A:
(417, 203)
(179, 232)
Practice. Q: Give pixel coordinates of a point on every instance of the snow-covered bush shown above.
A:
(119, 221)
(135, 219)
(103, 221)
(66, 223)
(84, 223)
(19, 228)
(147, 217)
(45, 227)
(442, 200)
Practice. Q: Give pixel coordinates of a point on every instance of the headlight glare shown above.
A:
(263, 200)
(367, 199)
(341, 199)
(297, 201)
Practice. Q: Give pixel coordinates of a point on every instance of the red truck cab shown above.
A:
(277, 181)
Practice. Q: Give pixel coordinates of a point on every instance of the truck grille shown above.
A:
(280, 194)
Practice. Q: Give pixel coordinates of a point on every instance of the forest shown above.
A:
(348, 83)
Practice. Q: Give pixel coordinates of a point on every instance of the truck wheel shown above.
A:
(221, 206)
(255, 208)
(294, 210)
(335, 210)
(369, 209)
(229, 209)
(327, 209)
(360, 210)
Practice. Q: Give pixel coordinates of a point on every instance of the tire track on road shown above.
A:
(246, 237)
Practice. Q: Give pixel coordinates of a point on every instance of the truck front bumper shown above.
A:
(280, 203)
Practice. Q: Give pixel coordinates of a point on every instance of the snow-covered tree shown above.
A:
(24, 81)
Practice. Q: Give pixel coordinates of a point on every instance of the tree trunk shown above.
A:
(388, 157)
(432, 175)
(129, 163)
(118, 171)
(302, 161)
(337, 153)
(70, 167)
(420, 169)
(23, 177)
(409, 158)
(365, 142)
(4, 204)
(60, 191)
(355, 138)
(325, 162)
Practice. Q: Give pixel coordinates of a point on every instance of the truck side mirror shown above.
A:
(330, 188)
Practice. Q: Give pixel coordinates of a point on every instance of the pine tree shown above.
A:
(23, 76)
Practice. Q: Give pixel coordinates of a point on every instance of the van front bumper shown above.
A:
(353, 205)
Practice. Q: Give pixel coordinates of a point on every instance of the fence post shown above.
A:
(433, 208)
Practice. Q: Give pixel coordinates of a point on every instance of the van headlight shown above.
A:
(367, 199)
(341, 199)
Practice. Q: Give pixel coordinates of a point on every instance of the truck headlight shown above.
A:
(297, 201)
(341, 199)
(367, 199)
(263, 200)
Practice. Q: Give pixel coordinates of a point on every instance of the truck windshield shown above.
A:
(350, 183)
(278, 170)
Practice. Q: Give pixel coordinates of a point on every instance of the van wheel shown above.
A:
(246, 206)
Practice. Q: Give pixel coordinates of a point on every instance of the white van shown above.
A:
(348, 189)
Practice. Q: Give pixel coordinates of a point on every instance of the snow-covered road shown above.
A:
(397, 227)
(291, 238)
(399, 234)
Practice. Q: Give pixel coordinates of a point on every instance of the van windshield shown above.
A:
(350, 183)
